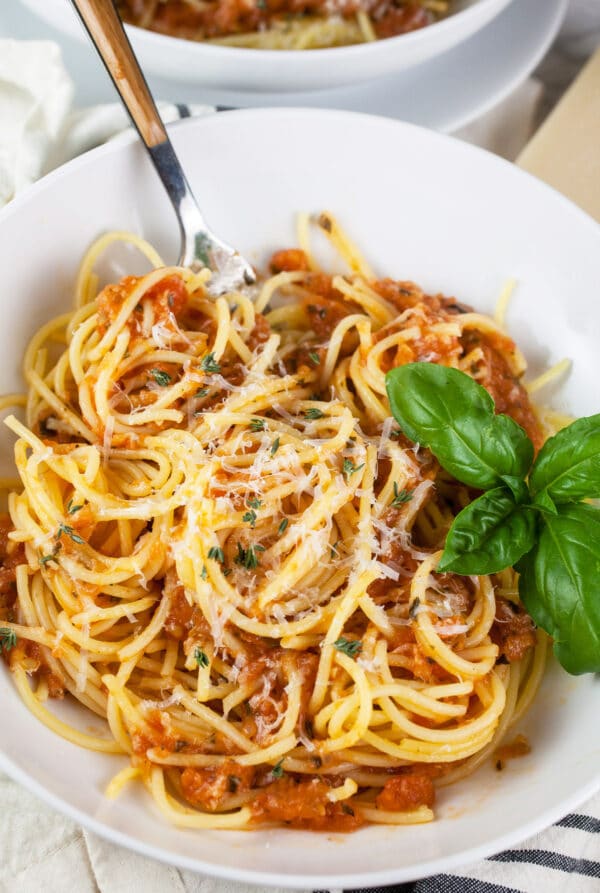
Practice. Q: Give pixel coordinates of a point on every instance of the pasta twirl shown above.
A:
(223, 546)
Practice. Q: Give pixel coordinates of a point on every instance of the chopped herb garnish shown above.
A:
(315, 358)
(203, 246)
(203, 573)
(248, 557)
(412, 611)
(209, 364)
(349, 647)
(201, 392)
(233, 783)
(400, 496)
(313, 413)
(64, 528)
(278, 771)
(261, 4)
(46, 558)
(283, 526)
(257, 424)
(275, 446)
(161, 378)
(250, 518)
(216, 554)
(226, 571)
(347, 810)
(71, 509)
(254, 502)
(350, 468)
(395, 434)
(201, 657)
(8, 639)
(333, 549)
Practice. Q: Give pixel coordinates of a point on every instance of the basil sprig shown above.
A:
(530, 516)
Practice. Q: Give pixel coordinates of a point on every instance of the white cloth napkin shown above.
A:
(42, 850)
(39, 130)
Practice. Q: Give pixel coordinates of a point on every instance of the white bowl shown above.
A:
(423, 207)
(284, 71)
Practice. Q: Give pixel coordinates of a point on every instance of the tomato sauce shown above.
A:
(225, 17)
(303, 804)
(211, 787)
(405, 793)
(513, 630)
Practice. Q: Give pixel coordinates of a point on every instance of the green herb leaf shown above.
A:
(233, 783)
(257, 424)
(559, 585)
(161, 378)
(348, 467)
(400, 496)
(201, 392)
(203, 573)
(254, 502)
(278, 771)
(52, 555)
(248, 558)
(71, 509)
(314, 357)
(8, 639)
(216, 554)
(201, 657)
(445, 410)
(567, 468)
(275, 446)
(282, 527)
(209, 364)
(250, 518)
(413, 610)
(313, 413)
(349, 647)
(490, 534)
(203, 246)
(64, 528)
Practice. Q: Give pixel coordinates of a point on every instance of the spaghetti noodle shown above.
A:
(282, 24)
(223, 546)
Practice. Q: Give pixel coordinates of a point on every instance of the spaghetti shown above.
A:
(282, 24)
(223, 546)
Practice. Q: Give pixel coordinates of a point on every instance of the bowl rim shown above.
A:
(372, 878)
(156, 41)
(368, 878)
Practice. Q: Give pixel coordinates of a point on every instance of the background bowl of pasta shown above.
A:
(422, 208)
(225, 61)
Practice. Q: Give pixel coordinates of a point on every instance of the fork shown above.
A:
(200, 247)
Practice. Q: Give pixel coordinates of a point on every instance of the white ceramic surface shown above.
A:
(444, 93)
(283, 71)
(421, 206)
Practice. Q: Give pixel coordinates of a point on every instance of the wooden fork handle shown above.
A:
(106, 31)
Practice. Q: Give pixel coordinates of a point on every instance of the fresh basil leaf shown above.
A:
(543, 501)
(448, 412)
(568, 465)
(490, 534)
(559, 585)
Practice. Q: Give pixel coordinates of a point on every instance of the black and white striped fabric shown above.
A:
(563, 859)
